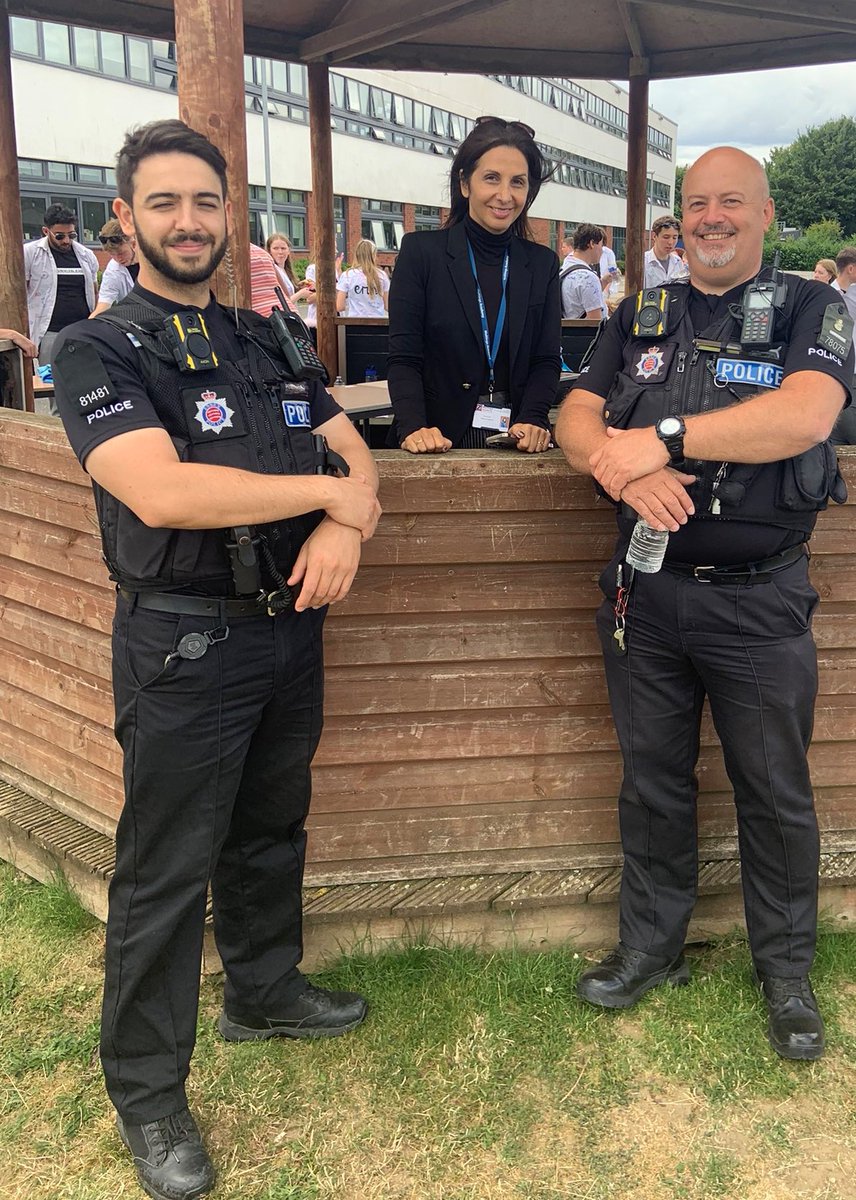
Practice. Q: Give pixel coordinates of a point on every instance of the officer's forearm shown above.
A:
(198, 496)
(769, 426)
(580, 431)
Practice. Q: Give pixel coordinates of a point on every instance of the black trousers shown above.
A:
(749, 649)
(217, 753)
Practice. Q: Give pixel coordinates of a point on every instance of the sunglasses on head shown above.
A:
(519, 125)
(111, 239)
(667, 225)
(60, 237)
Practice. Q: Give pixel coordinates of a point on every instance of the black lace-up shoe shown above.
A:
(625, 975)
(795, 1027)
(171, 1162)
(314, 1013)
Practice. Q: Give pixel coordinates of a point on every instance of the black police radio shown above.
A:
(761, 302)
(652, 313)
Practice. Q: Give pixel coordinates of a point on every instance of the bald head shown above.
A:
(735, 164)
(726, 211)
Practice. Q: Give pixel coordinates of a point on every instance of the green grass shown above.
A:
(476, 1077)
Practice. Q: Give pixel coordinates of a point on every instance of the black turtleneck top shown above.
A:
(489, 250)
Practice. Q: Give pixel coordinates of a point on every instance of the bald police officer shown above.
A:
(705, 410)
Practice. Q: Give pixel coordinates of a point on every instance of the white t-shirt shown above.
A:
(581, 290)
(675, 270)
(607, 262)
(361, 303)
(116, 282)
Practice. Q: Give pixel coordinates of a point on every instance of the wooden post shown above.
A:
(324, 235)
(209, 39)
(13, 291)
(637, 163)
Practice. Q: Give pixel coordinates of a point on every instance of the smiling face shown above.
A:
(498, 188)
(726, 210)
(180, 220)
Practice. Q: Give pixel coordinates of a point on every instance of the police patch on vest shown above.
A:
(296, 413)
(653, 365)
(743, 370)
(212, 413)
(836, 332)
(82, 376)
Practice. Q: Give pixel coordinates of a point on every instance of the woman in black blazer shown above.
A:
(443, 323)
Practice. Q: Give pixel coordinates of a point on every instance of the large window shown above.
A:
(88, 191)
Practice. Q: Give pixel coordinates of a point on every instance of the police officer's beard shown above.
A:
(714, 254)
(187, 273)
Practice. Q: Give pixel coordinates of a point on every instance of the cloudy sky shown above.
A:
(755, 111)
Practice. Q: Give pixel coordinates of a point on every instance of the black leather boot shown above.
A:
(625, 975)
(795, 1027)
(314, 1013)
(171, 1162)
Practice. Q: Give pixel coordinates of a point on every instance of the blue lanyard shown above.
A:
(491, 349)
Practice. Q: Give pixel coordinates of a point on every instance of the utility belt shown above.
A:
(754, 572)
(199, 606)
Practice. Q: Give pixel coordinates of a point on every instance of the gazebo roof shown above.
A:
(596, 39)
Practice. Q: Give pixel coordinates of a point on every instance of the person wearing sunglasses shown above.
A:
(121, 271)
(60, 276)
(474, 307)
(663, 264)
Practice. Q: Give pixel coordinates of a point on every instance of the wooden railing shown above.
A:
(467, 725)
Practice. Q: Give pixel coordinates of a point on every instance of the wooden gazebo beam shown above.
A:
(212, 101)
(13, 292)
(364, 34)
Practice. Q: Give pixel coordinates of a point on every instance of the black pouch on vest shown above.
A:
(810, 480)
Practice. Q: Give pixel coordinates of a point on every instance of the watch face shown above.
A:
(669, 426)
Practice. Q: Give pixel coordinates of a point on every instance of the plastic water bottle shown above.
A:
(338, 381)
(647, 548)
(371, 374)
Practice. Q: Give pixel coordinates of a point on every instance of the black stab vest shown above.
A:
(671, 375)
(248, 400)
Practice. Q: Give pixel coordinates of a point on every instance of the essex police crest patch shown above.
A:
(651, 364)
(213, 413)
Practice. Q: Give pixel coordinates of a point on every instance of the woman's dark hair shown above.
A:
(489, 133)
(164, 137)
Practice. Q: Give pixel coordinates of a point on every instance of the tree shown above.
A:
(677, 209)
(814, 179)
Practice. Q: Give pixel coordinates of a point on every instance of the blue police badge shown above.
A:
(743, 370)
(296, 413)
(213, 413)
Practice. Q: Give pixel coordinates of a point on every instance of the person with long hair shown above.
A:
(362, 289)
(824, 270)
(474, 307)
(279, 248)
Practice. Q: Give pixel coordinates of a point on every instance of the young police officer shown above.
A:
(226, 538)
(705, 410)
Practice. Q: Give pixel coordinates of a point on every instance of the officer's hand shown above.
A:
(628, 454)
(661, 498)
(531, 439)
(428, 440)
(354, 503)
(326, 565)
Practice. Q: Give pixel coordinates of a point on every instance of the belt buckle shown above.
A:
(703, 578)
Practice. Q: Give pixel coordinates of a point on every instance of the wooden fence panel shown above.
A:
(467, 720)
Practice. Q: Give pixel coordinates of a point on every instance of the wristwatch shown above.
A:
(670, 431)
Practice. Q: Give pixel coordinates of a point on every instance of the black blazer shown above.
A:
(436, 352)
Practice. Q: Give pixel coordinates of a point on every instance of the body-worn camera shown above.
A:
(652, 313)
(190, 341)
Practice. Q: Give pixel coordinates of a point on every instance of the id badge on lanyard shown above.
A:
(493, 411)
